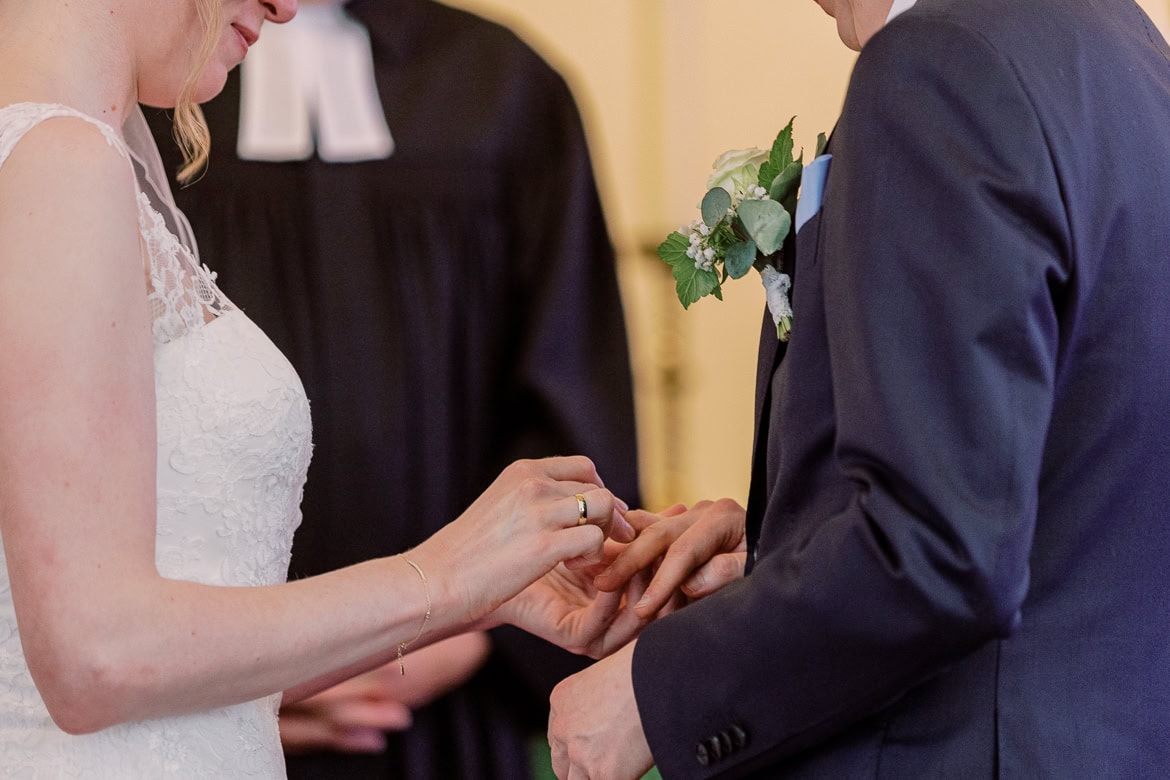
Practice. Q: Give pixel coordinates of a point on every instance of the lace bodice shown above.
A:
(233, 452)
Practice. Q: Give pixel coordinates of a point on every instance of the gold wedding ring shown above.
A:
(582, 510)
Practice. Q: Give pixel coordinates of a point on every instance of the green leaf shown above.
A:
(693, 283)
(785, 185)
(766, 222)
(690, 283)
(789, 201)
(715, 205)
(740, 257)
(674, 249)
(779, 158)
(822, 142)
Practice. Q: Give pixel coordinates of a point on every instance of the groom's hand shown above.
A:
(594, 731)
(701, 550)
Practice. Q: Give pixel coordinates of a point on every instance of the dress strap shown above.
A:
(16, 119)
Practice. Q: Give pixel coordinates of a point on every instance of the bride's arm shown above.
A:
(107, 639)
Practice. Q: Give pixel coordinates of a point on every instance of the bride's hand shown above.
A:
(523, 525)
(565, 608)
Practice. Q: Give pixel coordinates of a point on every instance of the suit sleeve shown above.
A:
(942, 249)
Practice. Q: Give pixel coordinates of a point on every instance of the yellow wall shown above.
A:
(665, 86)
(1159, 11)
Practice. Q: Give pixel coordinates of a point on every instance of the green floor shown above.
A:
(542, 763)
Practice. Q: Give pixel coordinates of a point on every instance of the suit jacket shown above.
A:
(961, 514)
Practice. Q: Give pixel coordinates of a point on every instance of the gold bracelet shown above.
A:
(427, 592)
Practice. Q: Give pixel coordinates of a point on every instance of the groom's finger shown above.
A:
(641, 553)
(719, 530)
(627, 623)
(640, 519)
(609, 553)
(713, 575)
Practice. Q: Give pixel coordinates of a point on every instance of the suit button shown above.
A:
(715, 748)
(725, 745)
(739, 737)
(701, 755)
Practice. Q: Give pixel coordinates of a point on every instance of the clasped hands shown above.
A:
(548, 549)
(591, 607)
(594, 602)
(596, 606)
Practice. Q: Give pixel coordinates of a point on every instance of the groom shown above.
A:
(959, 527)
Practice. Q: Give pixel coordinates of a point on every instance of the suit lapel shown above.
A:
(771, 353)
(770, 350)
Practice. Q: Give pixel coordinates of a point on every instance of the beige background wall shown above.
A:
(665, 86)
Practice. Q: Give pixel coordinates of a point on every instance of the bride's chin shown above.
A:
(212, 82)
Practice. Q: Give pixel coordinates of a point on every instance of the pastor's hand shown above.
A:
(353, 716)
(701, 549)
(594, 731)
(350, 717)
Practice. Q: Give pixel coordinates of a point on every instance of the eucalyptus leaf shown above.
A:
(715, 205)
(766, 222)
(822, 142)
(739, 259)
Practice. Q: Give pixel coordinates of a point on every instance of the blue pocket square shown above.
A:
(812, 189)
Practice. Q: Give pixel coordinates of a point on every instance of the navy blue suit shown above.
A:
(960, 509)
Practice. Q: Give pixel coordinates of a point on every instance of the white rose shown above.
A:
(737, 170)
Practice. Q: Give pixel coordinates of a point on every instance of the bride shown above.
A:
(154, 444)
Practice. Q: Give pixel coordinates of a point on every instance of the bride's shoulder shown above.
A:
(57, 133)
(65, 183)
(47, 148)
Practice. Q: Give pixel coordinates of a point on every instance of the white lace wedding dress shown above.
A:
(233, 450)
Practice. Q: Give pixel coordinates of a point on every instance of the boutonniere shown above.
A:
(746, 216)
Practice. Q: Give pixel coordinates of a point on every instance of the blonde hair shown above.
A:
(190, 128)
